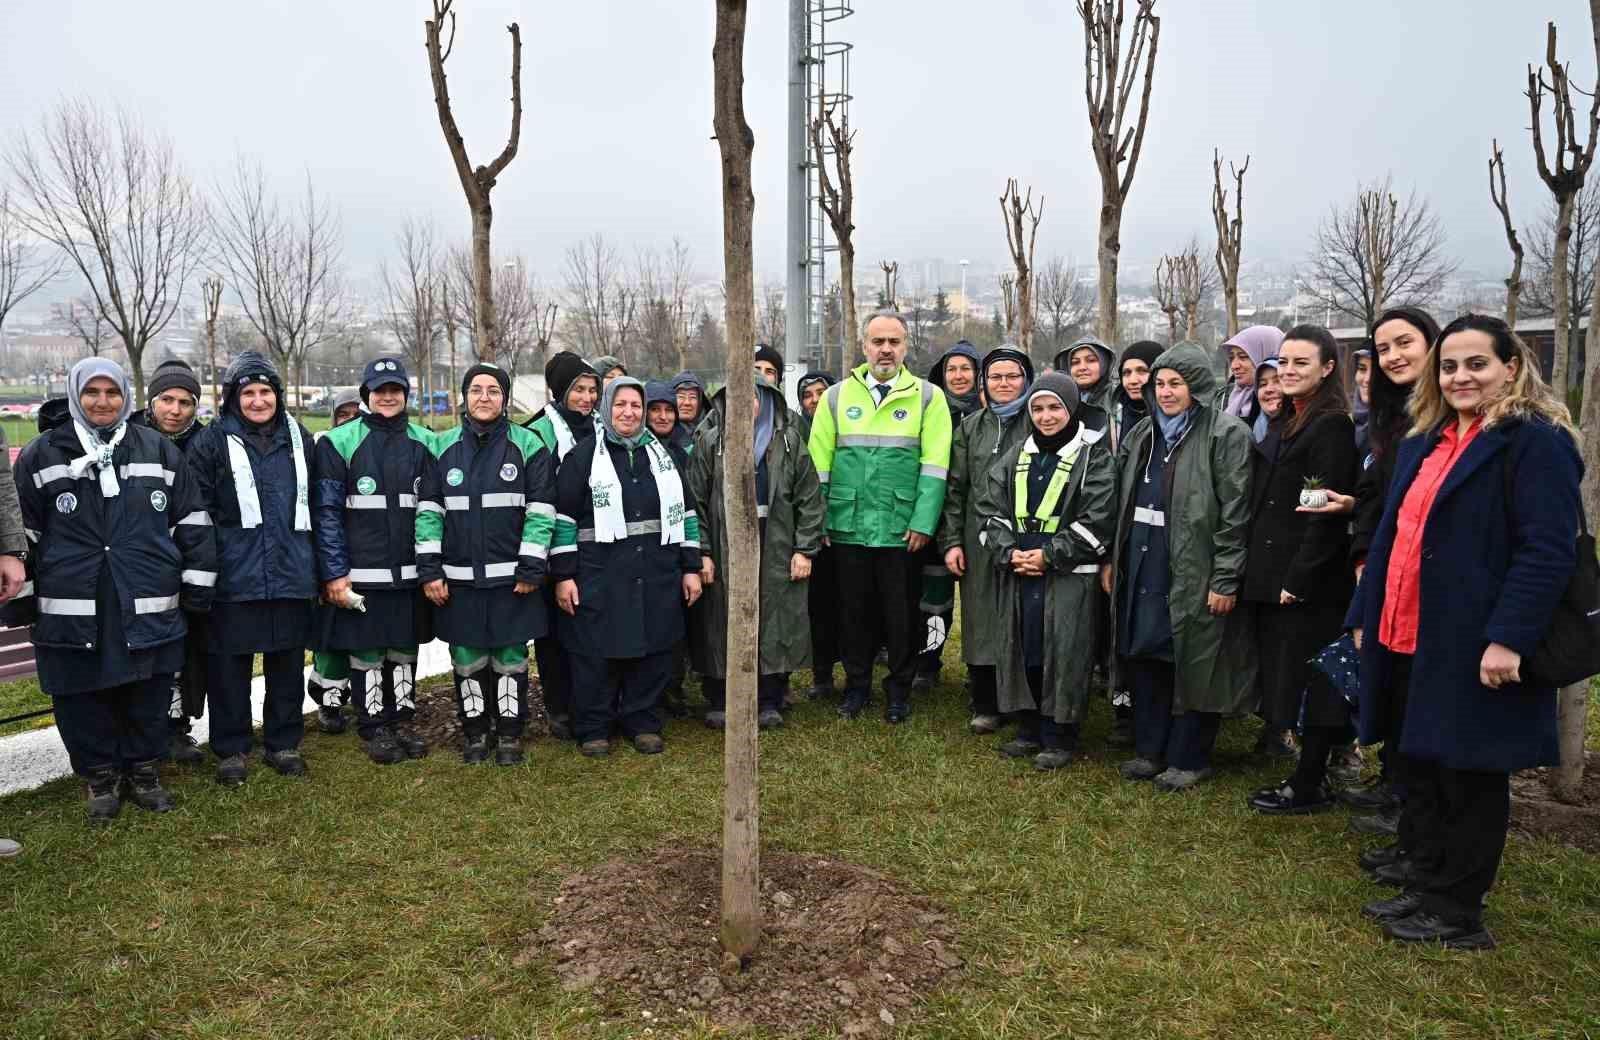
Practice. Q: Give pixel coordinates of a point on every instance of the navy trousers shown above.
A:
(117, 727)
(1181, 741)
(282, 725)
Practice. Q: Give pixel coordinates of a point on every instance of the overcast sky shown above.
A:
(952, 97)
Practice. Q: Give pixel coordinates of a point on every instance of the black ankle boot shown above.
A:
(148, 793)
(105, 796)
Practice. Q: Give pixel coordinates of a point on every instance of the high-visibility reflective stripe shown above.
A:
(146, 469)
(49, 473)
(502, 499)
(1045, 519)
(198, 518)
(499, 570)
(1088, 537)
(155, 604)
(428, 547)
(1150, 517)
(456, 502)
(1086, 568)
(541, 509)
(69, 607)
(457, 573)
(534, 549)
(562, 517)
(366, 502)
(371, 575)
(33, 536)
(689, 543)
(586, 534)
(425, 506)
(930, 470)
(761, 512)
(26, 590)
(205, 579)
(406, 501)
(408, 571)
(560, 549)
(876, 440)
(822, 476)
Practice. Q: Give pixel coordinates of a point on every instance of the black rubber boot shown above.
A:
(105, 795)
(148, 794)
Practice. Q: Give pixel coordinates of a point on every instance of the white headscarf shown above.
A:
(98, 442)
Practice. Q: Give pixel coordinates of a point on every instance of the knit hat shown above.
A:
(1058, 385)
(249, 367)
(605, 363)
(484, 368)
(170, 374)
(767, 354)
(1146, 350)
(563, 368)
(813, 377)
(384, 371)
(349, 395)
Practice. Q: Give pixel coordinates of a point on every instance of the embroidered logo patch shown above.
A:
(853, 412)
(508, 472)
(366, 485)
(158, 501)
(900, 414)
(455, 476)
(601, 497)
(66, 502)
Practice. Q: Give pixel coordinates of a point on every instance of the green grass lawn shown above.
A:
(391, 901)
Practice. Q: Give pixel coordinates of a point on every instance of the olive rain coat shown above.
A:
(1208, 521)
(1088, 514)
(982, 438)
(792, 523)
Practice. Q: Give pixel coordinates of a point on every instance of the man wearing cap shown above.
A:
(173, 399)
(369, 472)
(881, 444)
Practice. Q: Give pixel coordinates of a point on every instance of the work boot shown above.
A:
(184, 751)
(595, 748)
(410, 740)
(104, 794)
(1425, 927)
(1175, 780)
(1402, 873)
(1381, 823)
(1394, 908)
(1053, 758)
(508, 749)
(769, 719)
(855, 701)
(649, 744)
(331, 721)
(1381, 856)
(716, 720)
(288, 762)
(897, 712)
(1140, 769)
(1020, 747)
(475, 749)
(1378, 797)
(382, 747)
(144, 783)
(232, 770)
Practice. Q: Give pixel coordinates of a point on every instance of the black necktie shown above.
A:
(882, 390)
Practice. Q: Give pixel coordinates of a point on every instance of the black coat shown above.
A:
(1372, 490)
(1304, 553)
(1480, 582)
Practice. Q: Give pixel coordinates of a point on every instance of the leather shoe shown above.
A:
(287, 762)
(1370, 799)
(232, 770)
(1020, 748)
(649, 744)
(1140, 769)
(853, 704)
(1423, 926)
(184, 751)
(1393, 909)
(595, 748)
(1383, 855)
(1380, 823)
(1285, 800)
(1400, 874)
(897, 712)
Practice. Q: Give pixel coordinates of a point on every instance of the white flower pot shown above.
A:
(1313, 498)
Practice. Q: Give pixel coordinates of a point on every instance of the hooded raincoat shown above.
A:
(1099, 394)
(1207, 501)
(961, 405)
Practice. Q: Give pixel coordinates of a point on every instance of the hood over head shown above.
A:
(1193, 363)
(1108, 359)
(961, 348)
(659, 390)
(605, 363)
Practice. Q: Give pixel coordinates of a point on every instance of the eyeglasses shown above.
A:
(1004, 377)
(484, 391)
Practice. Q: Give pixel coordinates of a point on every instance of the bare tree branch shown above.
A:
(1021, 222)
(1230, 233)
(25, 267)
(838, 205)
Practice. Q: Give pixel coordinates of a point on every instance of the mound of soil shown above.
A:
(436, 711)
(1535, 813)
(844, 948)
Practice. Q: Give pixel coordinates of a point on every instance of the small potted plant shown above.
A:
(1315, 494)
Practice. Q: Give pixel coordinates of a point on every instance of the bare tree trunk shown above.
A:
(847, 303)
(1230, 233)
(211, 294)
(1497, 195)
(477, 183)
(1109, 245)
(741, 840)
(1021, 221)
(1563, 299)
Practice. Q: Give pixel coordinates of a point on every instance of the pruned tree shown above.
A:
(1063, 302)
(1008, 301)
(1230, 233)
(211, 304)
(111, 196)
(1374, 251)
(741, 844)
(1111, 69)
(413, 290)
(87, 322)
(25, 267)
(1583, 250)
(1564, 176)
(1021, 221)
(602, 307)
(284, 263)
(663, 281)
(1497, 195)
(1164, 287)
(476, 183)
(1197, 280)
(891, 276)
(836, 193)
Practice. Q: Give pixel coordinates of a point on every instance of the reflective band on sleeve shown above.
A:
(761, 512)
(146, 469)
(408, 572)
(205, 579)
(69, 607)
(26, 590)
(366, 502)
(541, 509)
(501, 499)
(49, 473)
(33, 536)
(456, 502)
(822, 476)
(155, 604)
(425, 506)
(198, 518)
(428, 547)
(406, 501)
(371, 575)
(499, 570)
(1149, 517)
(561, 549)
(534, 549)
(1088, 537)
(929, 470)
(455, 573)
(1086, 568)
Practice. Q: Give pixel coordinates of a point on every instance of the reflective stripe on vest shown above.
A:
(1044, 520)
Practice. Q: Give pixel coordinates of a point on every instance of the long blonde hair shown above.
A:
(1528, 397)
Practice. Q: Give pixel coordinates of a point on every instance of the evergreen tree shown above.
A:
(941, 307)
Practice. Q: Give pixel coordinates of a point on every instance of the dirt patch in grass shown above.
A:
(436, 711)
(845, 948)
(1535, 813)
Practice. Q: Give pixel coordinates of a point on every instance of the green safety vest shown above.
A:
(1044, 520)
